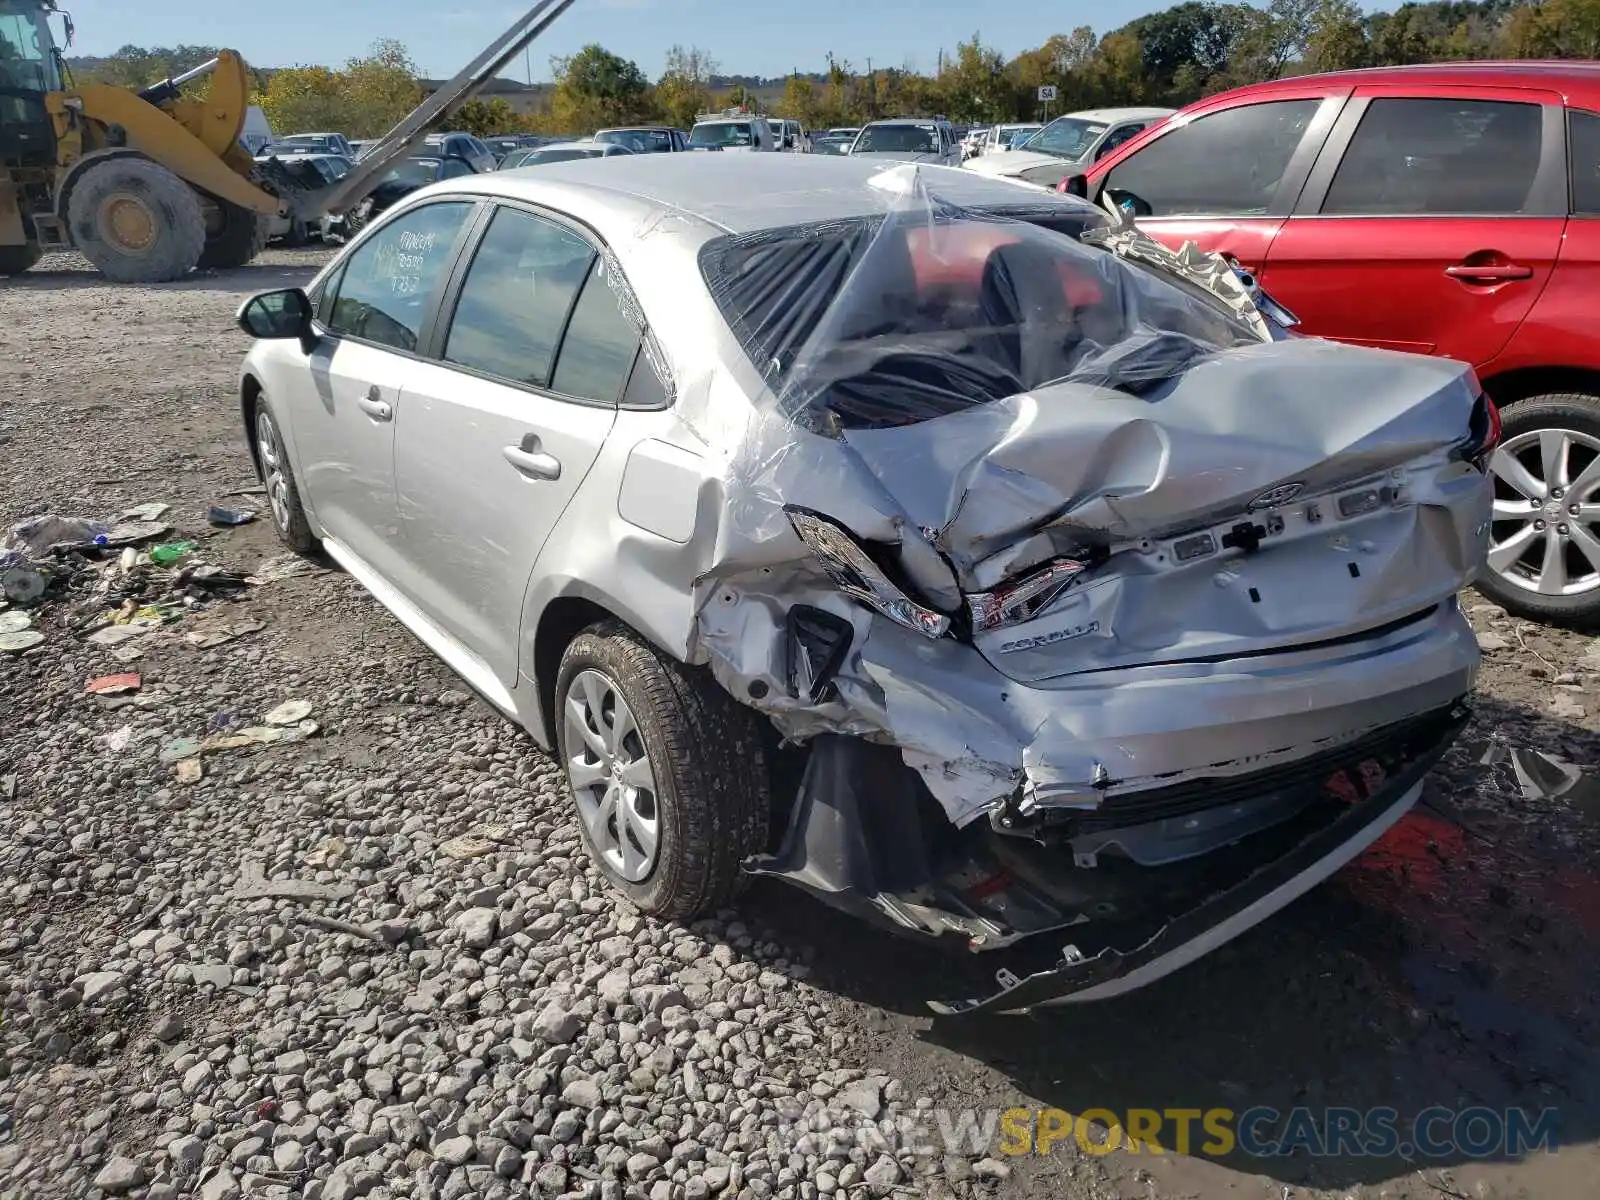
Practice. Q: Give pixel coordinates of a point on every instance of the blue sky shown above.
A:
(760, 38)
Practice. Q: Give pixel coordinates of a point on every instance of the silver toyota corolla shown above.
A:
(936, 544)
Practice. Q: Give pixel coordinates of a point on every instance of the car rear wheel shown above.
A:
(283, 496)
(1544, 541)
(667, 772)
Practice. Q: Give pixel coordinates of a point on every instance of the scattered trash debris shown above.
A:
(256, 490)
(40, 536)
(218, 634)
(290, 712)
(132, 533)
(1543, 776)
(168, 553)
(23, 639)
(209, 577)
(189, 770)
(281, 567)
(119, 740)
(179, 749)
(227, 516)
(254, 885)
(152, 511)
(115, 635)
(23, 583)
(11, 622)
(327, 850)
(128, 654)
(477, 842)
(113, 685)
(334, 925)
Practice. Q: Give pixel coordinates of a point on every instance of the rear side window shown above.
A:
(602, 339)
(389, 281)
(1583, 148)
(516, 298)
(1420, 157)
(1228, 163)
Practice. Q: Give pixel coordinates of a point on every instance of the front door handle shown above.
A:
(375, 406)
(532, 461)
(1496, 272)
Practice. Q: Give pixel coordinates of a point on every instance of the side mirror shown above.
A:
(1076, 185)
(278, 315)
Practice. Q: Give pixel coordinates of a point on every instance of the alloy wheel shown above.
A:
(275, 477)
(1545, 533)
(611, 776)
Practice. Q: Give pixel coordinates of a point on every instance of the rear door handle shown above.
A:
(1496, 272)
(375, 406)
(532, 461)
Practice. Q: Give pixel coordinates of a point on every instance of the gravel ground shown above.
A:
(370, 959)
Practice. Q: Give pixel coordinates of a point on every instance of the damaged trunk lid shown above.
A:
(1212, 516)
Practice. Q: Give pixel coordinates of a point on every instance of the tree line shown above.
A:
(1171, 57)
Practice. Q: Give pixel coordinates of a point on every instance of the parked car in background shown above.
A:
(1083, 605)
(462, 146)
(646, 139)
(315, 143)
(846, 131)
(1008, 137)
(791, 135)
(562, 152)
(972, 143)
(1069, 143)
(908, 141)
(732, 133)
(312, 171)
(1450, 209)
(824, 143)
(407, 176)
(506, 143)
(359, 148)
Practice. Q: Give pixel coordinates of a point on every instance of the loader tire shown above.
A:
(234, 237)
(136, 221)
(14, 260)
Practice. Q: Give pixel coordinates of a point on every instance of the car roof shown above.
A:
(903, 121)
(1584, 76)
(1120, 114)
(733, 193)
(635, 129)
(587, 147)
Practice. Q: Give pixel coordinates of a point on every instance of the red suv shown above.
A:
(1446, 209)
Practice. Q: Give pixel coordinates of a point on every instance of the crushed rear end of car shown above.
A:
(1108, 618)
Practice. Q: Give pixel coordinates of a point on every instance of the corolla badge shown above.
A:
(1273, 497)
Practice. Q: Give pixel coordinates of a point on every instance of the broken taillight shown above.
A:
(855, 574)
(1014, 603)
(1483, 433)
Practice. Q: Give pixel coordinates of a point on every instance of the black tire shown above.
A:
(1511, 587)
(712, 785)
(14, 260)
(175, 222)
(272, 461)
(236, 237)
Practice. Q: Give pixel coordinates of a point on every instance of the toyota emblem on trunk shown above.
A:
(1273, 497)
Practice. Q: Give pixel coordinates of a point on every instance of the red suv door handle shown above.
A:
(1495, 272)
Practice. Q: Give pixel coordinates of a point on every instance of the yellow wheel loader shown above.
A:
(150, 184)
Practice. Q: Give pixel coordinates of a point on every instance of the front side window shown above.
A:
(516, 298)
(1415, 157)
(26, 61)
(1226, 163)
(389, 281)
(1583, 151)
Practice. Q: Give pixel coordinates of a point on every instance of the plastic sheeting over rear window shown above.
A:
(930, 308)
